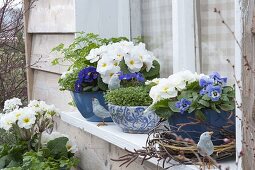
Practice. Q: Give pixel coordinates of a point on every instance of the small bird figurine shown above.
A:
(100, 111)
(114, 82)
(205, 146)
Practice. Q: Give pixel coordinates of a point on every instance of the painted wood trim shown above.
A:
(28, 46)
(183, 35)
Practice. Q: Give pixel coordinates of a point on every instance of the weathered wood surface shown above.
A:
(45, 87)
(55, 16)
(248, 86)
(41, 55)
(28, 44)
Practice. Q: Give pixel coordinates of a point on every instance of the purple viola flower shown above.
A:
(204, 82)
(88, 74)
(183, 105)
(214, 92)
(140, 77)
(78, 86)
(218, 80)
(129, 76)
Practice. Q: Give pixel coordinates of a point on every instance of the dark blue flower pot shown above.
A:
(216, 122)
(83, 102)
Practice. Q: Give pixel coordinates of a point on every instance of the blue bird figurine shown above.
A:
(114, 82)
(205, 146)
(100, 111)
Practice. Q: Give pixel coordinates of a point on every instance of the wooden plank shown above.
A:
(46, 88)
(41, 55)
(109, 18)
(183, 35)
(244, 69)
(52, 16)
(28, 44)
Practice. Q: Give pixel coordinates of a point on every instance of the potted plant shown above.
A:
(34, 145)
(94, 61)
(127, 107)
(195, 103)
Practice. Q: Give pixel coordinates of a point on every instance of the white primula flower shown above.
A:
(71, 146)
(126, 46)
(64, 75)
(16, 114)
(108, 74)
(96, 53)
(154, 94)
(105, 64)
(6, 121)
(166, 89)
(12, 104)
(177, 81)
(27, 119)
(188, 76)
(154, 81)
(46, 137)
(133, 62)
(51, 110)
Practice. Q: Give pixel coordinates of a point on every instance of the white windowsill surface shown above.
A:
(113, 134)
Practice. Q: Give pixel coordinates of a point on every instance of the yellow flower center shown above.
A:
(68, 147)
(119, 56)
(132, 62)
(17, 115)
(26, 120)
(165, 89)
(141, 57)
(104, 65)
(111, 74)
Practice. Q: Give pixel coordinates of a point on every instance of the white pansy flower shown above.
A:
(105, 64)
(27, 119)
(108, 74)
(133, 62)
(12, 104)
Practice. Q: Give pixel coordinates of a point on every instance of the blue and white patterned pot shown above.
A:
(132, 119)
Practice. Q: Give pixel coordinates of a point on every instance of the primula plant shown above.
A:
(35, 146)
(188, 92)
(95, 60)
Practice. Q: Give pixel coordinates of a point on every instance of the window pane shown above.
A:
(156, 29)
(217, 41)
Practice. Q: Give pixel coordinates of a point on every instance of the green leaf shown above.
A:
(161, 104)
(172, 107)
(224, 97)
(193, 86)
(4, 161)
(204, 103)
(191, 109)
(57, 147)
(185, 94)
(205, 97)
(164, 113)
(101, 84)
(195, 95)
(227, 89)
(153, 72)
(227, 106)
(200, 115)
(213, 106)
(124, 67)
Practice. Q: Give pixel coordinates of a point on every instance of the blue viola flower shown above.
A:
(214, 92)
(88, 74)
(183, 105)
(204, 82)
(218, 80)
(129, 76)
(140, 77)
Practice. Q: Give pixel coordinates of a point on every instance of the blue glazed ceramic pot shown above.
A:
(132, 119)
(83, 101)
(224, 121)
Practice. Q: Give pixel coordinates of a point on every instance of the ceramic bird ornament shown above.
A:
(114, 82)
(100, 111)
(205, 146)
